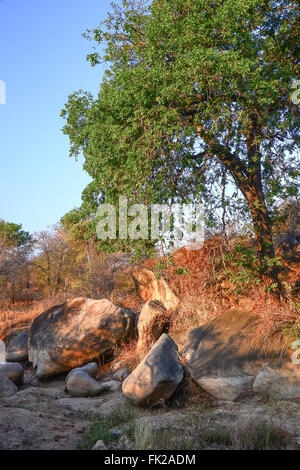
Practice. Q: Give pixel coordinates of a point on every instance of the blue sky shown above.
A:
(43, 60)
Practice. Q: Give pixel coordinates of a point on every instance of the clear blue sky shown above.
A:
(42, 61)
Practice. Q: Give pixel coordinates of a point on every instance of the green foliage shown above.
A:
(242, 268)
(182, 271)
(217, 436)
(193, 88)
(13, 234)
(292, 330)
(162, 265)
(101, 427)
(263, 436)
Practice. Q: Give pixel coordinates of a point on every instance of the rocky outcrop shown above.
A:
(76, 332)
(152, 322)
(150, 288)
(224, 355)
(7, 387)
(157, 376)
(13, 371)
(17, 349)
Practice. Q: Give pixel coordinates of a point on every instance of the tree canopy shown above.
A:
(13, 235)
(196, 99)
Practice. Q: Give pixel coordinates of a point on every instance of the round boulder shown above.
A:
(76, 332)
(13, 371)
(17, 349)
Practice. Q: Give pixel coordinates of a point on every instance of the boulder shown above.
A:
(76, 332)
(17, 349)
(13, 371)
(152, 322)
(81, 384)
(157, 376)
(91, 369)
(150, 288)
(281, 384)
(229, 387)
(7, 387)
(224, 355)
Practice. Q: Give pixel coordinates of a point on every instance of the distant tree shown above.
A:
(13, 234)
(53, 260)
(15, 251)
(194, 88)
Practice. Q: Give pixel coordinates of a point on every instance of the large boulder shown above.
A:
(150, 288)
(152, 322)
(17, 349)
(7, 387)
(225, 354)
(76, 332)
(157, 376)
(13, 371)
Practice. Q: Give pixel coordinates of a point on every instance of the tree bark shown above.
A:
(261, 221)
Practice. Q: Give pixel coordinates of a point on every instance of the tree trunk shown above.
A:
(261, 223)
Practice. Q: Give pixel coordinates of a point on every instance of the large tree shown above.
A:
(195, 91)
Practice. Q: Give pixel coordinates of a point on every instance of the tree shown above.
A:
(194, 88)
(15, 251)
(13, 235)
(54, 260)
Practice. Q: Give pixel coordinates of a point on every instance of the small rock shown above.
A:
(80, 384)
(121, 374)
(17, 349)
(115, 433)
(7, 387)
(13, 371)
(91, 368)
(111, 386)
(99, 446)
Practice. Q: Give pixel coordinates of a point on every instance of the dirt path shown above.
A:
(46, 417)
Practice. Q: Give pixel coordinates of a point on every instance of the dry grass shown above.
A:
(204, 281)
(126, 355)
(245, 435)
(20, 316)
